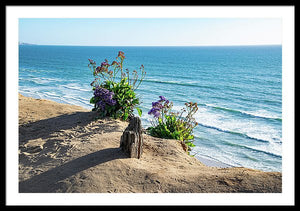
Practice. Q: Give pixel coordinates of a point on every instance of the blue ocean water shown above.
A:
(238, 90)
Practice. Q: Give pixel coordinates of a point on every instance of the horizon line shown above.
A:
(232, 45)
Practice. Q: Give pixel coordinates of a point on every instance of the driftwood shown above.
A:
(132, 140)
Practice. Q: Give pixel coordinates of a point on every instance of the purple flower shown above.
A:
(105, 98)
(112, 102)
(101, 105)
(157, 105)
(155, 112)
(162, 98)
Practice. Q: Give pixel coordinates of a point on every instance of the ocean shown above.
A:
(238, 90)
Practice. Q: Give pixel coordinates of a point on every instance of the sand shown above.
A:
(62, 148)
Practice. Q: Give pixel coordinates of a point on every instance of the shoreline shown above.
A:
(63, 149)
(213, 163)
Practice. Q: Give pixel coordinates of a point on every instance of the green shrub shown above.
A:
(170, 125)
(114, 89)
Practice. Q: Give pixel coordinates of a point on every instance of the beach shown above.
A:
(63, 149)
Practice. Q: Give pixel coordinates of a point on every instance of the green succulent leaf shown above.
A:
(139, 111)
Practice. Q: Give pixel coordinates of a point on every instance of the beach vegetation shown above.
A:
(114, 89)
(173, 125)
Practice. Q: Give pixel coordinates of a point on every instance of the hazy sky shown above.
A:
(150, 31)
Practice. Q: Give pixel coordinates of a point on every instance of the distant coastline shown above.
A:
(25, 43)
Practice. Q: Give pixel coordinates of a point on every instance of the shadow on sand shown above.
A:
(45, 127)
(49, 181)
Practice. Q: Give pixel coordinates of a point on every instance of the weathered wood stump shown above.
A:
(132, 140)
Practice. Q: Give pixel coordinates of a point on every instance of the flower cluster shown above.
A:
(121, 54)
(102, 71)
(168, 124)
(112, 71)
(114, 88)
(158, 107)
(105, 97)
(103, 68)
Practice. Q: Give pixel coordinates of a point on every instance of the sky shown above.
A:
(151, 31)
